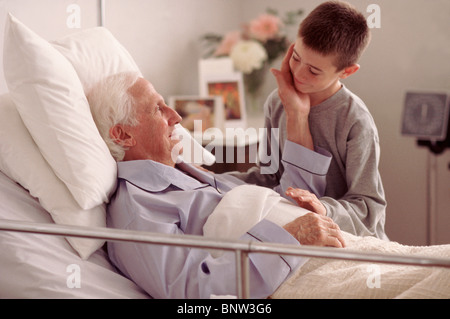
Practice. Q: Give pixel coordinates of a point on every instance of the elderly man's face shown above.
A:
(152, 137)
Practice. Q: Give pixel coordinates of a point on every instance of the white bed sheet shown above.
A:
(44, 266)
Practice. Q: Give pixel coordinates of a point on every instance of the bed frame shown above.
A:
(240, 248)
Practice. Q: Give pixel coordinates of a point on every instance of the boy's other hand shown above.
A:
(307, 200)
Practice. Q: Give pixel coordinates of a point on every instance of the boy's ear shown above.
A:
(349, 70)
(120, 136)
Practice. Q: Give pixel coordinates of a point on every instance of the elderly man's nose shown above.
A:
(174, 117)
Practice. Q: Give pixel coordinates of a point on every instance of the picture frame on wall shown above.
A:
(207, 109)
(230, 86)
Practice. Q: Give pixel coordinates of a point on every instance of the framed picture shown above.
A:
(230, 87)
(209, 110)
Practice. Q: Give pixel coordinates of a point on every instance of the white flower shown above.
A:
(248, 55)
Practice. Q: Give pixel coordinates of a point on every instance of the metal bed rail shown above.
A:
(241, 248)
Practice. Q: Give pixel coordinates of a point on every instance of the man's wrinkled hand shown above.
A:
(317, 230)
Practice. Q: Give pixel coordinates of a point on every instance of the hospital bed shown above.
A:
(56, 176)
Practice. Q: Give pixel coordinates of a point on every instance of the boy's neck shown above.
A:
(319, 97)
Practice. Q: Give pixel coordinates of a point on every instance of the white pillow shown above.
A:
(22, 161)
(95, 54)
(51, 101)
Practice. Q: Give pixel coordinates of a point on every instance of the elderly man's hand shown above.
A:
(314, 229)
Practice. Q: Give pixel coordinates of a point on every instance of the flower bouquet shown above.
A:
(254, 47)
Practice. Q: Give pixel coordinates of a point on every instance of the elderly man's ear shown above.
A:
(119, 134)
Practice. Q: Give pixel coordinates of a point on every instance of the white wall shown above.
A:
(164, 36)
(410, 50)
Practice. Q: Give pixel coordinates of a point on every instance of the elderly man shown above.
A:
(158, 195)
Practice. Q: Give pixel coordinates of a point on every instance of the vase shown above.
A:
(254, 82)
(253, 103)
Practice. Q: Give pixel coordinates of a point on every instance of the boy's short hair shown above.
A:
(336, 27)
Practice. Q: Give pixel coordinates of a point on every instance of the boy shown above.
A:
(314, 112)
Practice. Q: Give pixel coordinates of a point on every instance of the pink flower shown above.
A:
(228, 41)
(265, 27)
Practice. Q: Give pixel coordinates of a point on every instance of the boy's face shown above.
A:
(314, 73)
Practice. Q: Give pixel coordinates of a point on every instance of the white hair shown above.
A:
(111, 104)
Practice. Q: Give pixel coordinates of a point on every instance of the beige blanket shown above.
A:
(244, 206)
